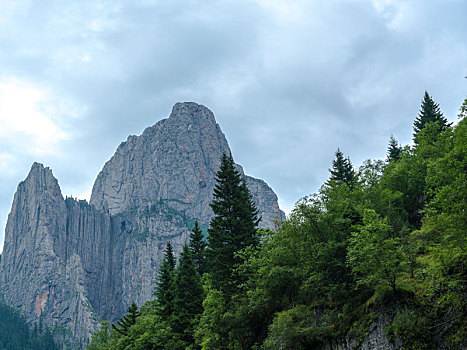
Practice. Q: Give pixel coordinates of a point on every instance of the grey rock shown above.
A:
(42, 272)
(73, 264)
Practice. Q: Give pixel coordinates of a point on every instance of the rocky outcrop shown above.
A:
(175, 161)
(42, 270)
(71, 264)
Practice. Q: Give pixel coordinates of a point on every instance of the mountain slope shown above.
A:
(71, 264)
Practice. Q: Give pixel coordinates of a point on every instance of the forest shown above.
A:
(16, 335)
(388, 237)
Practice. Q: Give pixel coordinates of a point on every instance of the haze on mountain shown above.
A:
(288, 81)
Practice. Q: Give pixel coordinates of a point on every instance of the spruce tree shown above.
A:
(342, 170)
(233, 226)
(164, 292)
(394, 150)
(124, 324)
(429, 112)
(197, 248)
(188, 298)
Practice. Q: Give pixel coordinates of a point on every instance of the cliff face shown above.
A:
(43, 270)
(173, 161)
(71, 263)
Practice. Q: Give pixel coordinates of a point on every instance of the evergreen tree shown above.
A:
(429, 112)
(342, 170)
(233, 226)
(188, 299)
(197, 248)
(462, 114)
(394, 150)
(164, 292)
(124, 324)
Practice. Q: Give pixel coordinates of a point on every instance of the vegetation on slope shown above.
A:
(16, 335)
(391, 234)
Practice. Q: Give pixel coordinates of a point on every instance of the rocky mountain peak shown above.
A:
(71, 264)
(191, 111)
(41, 179)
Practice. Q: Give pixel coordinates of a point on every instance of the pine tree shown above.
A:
(197, 248)
(342, 170)
(124, 324)
(164, 292)
(188, 299)
(233, 226)
(394, 150)
(429, 112)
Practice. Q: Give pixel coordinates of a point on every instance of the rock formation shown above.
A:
(71, 264)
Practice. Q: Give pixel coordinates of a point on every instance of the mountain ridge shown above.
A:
(72, 263)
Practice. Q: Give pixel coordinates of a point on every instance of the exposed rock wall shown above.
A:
(41, 271)
(72, 264)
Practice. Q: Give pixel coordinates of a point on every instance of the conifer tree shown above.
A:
(394, 150)
(342, 170)
(124, 324)
(462, 114)
(188, 298)
(233, 226)
(197, 248)
(429, 112)
(164, 292)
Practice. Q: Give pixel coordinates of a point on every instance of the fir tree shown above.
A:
(342, 170)
(394, 150)
(164, 292)
(124, 324)
(233, 226)
(429, 112)
(197, 248)
(188, 299)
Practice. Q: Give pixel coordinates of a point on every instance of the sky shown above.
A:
(288, 81)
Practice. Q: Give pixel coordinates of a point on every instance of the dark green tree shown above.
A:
(198, 248)
(164, 292)
(188, 300)
(124, 324)
(394, 150)
(429, 113)
(233, 226)
(342, 170)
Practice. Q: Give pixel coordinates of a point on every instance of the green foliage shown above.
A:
(209, 331)
(124, 324)
(295, 329)
(164, 292)
(15, 333)
(413, 329)
(342, 170)
(463, 110)
(390, 239)
(233, 226)
(375, 257)
(101, 336)
(394, 150)
(429, 113)
(188, 301)
(198, 248)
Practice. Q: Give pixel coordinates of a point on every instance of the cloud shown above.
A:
(28, 119)
(290, 80)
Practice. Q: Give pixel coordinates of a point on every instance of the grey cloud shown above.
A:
(286, 92)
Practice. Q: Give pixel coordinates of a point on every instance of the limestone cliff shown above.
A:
(173, 161)
(43, 271)
(72, 264)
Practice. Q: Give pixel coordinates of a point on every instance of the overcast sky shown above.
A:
(288, 81)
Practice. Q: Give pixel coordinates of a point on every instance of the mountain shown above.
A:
(70, 264)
